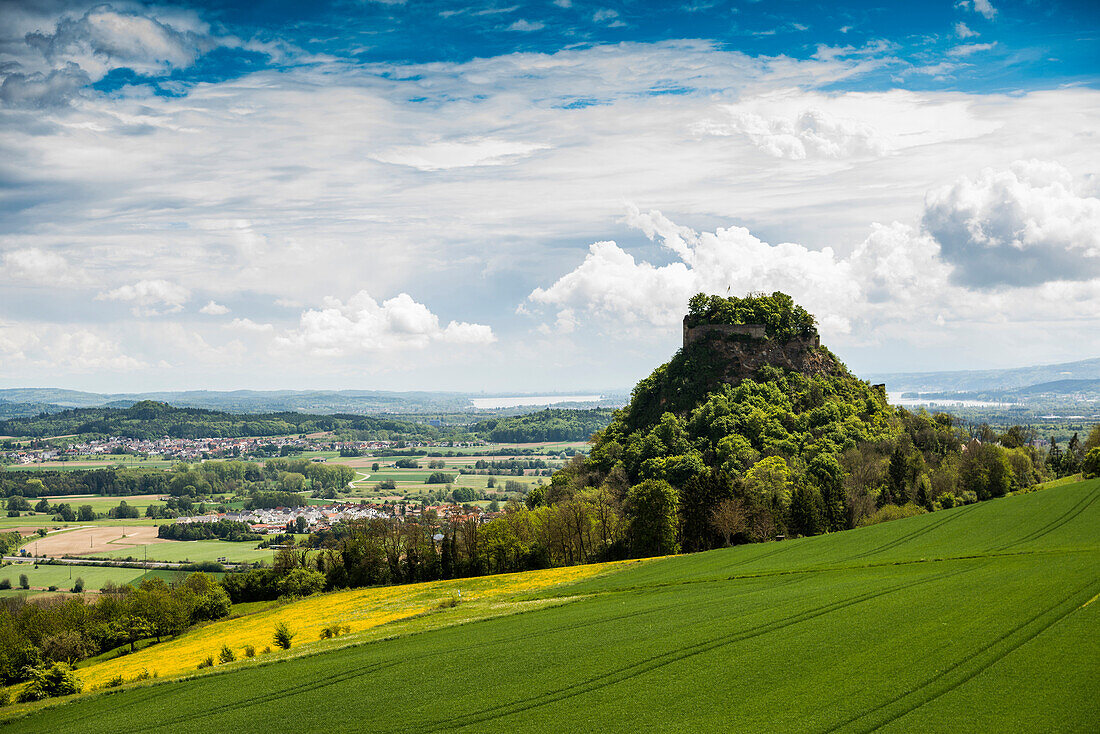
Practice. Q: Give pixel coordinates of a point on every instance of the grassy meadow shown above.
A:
(191, 551)
(63, 576)
(979, 618)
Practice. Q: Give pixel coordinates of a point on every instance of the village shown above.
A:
(197, 449)
(314, 518)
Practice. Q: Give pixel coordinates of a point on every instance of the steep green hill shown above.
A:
(979, 618)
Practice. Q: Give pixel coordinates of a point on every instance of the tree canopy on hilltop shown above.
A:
(782, 318)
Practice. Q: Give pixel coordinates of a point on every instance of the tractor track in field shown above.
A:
(915, 534)
(368, 670)
(959, 673)
(1068, 516)
(657, 662)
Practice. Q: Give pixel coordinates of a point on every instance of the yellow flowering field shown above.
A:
(358, 609)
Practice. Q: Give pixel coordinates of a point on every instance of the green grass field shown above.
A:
(192, 551)
(94, 576)
(983, 618)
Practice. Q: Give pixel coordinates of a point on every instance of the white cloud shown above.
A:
(449, 154)
(66, 348)
(35, 266)
(897, 283)
(963, 31)
(970, 48)
(361, 324)
(526, 25)
(1025, 225)
(104, 39)
(611, 285)
(982, 7)
(811, 134)
(150, 297)
(214, 308)
(250, 325)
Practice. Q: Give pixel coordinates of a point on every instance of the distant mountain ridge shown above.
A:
(1015, 379)
(360, 402)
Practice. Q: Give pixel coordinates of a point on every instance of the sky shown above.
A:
(523, 196)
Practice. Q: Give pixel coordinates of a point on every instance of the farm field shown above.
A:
(192, 551)
(114, 461)
(980, 618)
(88, 539)
(63, 576)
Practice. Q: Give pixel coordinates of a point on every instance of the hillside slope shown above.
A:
(980, 618)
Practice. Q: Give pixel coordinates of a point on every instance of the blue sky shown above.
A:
(521, 196)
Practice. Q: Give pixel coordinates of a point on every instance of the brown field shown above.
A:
(94, 540)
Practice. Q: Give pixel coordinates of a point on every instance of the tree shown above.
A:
(43, 506)
(24, 582)
(85, 513)
(650, 510)
(300, 582)
(19, 503)
(768, 481)
(729, 518)
(807, 510)
(57, 680)
(283, 636)
(985, 470)
(1091, 465)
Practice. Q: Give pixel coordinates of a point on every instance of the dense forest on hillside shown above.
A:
(151, 420)
(545, 425)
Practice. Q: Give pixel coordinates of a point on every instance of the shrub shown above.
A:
(207, 662)
(892, 512)
(226, 655)
(24, 582)
(5, 698)
(333, 630)
(52, 587)
(78, 585)
(1091, 465)
(283, 636)
(5, 583)
(114, 682)
(301, 582)
(266, 650)
(57, 680)
(143, 675)
(249, 651)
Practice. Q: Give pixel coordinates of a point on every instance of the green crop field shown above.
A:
(62, 576)
(192, 551)
(983, 618)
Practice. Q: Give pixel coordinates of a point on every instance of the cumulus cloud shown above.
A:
(611, 284)
(214, 309)
(1023, 230)
(1025, 225)
(250, 325)
(41, 90)
(150, 297)
(361, 324)
(982, 7)
(35, 266)
(104, 39)
(811, 134)
(964, 31)
(71, 349)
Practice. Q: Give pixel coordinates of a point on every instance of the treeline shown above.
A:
(545, 425)
(150, 420)
(40, 638)
(220, 530)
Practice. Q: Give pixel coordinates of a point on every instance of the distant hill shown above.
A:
(360, 402)
(988, 380)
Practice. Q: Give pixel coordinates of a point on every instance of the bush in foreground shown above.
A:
(57, 680)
